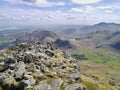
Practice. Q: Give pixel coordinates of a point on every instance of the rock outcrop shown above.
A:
(38, 66)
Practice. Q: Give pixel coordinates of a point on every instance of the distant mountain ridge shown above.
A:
(36, 36)
(102, 26)
(44, 36)
(77, 32)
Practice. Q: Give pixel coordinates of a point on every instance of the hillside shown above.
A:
(82, 31)
(38, 67)
(36, 36)
(102, 26)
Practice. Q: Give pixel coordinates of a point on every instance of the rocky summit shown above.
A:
(38, 66)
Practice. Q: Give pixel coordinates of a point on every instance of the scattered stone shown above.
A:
(1, 79)
(76, 76)
(51, 74)
(3, 68)
(49, 53)
(31, 67)
(73, 87)
(9, 60)
(29, 80)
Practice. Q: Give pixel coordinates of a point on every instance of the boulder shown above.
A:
(49, 53)
(51, 74)
(20, 69)
(73, 87)
(10, 84)
(9, 60)
(42, 86)
(1, 79)
(31, 67)
(29, 80)
(3, 67)
(56, 84)
(75, 77)
(28, 58)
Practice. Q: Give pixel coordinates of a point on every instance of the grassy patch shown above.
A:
(90, 85)
(104, 57)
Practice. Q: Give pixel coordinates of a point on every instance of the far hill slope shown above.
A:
(44, 36)
(80, 32)
(102, 26)
(36, 36)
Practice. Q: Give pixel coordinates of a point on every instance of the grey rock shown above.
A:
(1, 79)
(51, 74)
(31, 67)
(11, 73)
(42, 67)
(29, 80)
(75, 76)
(20, 69)
(28, 58)
(10, 80)
(9, 60)
(56, 84)
(3, 68)
(42, 86)
(41, 77)
(73, 87)
(49, 53)
(48, 63)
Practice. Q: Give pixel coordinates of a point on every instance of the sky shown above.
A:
(75, 12)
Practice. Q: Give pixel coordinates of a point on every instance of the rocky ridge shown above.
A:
(38, 66)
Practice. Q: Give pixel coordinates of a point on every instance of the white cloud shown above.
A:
(85, 1)
(45, 3)
(87, 15)
(77, 10)
(104, 7)
(109, 11)
(40, 3)
(89, 8)
(83, 9)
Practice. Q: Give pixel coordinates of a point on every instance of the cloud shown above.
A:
(85, 1)
(104, 7)
(109, 11)
(12, 18)
(40, 3)
(77, 10)
(89, 8)
(83, 9)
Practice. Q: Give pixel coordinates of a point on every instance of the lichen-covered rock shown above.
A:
(10, 83)
(43, 86)
(3, 68)
(31, 67)
(29, 80)
(51, 74)
(75, 77)
(1, 79)
(20, 69)
(73, 87)
(56, 84)
(9, 60)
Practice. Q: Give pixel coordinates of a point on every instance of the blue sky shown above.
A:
(59, 11)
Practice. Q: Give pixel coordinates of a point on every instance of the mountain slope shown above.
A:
(102, 26)
(38, 67)
(36, 36)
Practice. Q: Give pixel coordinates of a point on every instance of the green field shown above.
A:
(5, 41)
